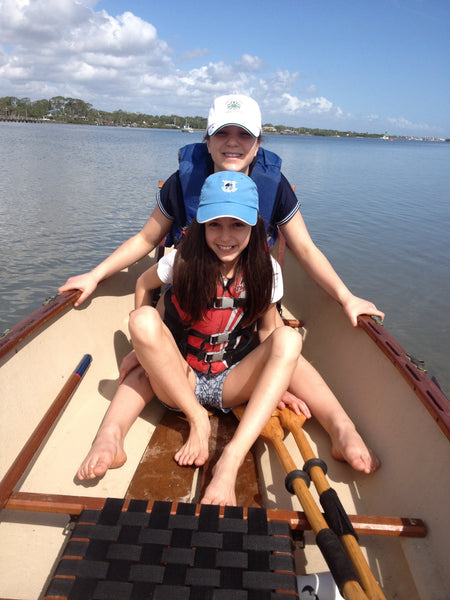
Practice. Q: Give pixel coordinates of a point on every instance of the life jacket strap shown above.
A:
(222, 336)
(227, 354)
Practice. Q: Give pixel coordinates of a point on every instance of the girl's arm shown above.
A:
(147, 282)
(317, 265)
(267, 323)
(127, 254)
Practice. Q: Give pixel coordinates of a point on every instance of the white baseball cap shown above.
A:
(234, 109)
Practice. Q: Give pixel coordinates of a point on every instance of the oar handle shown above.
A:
(27, 453)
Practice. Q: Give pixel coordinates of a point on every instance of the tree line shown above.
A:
(73, 110)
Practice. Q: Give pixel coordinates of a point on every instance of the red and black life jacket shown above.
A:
(218, 340)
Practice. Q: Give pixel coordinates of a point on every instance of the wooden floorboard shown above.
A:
(223, 427)
(159, 477)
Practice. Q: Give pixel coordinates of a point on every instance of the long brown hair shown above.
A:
(197, 273)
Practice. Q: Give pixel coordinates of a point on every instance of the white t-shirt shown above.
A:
(165, 273)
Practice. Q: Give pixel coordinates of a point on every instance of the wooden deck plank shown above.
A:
(158, 476)
(223, 427)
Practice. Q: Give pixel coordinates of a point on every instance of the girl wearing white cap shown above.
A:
(233, 143)
(233, 140)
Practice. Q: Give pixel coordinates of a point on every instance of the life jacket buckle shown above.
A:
(219, 338)
(224, 302)
(211, 357)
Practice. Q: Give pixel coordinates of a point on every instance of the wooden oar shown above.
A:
(335, 513)
(337, 559)
(27, 453)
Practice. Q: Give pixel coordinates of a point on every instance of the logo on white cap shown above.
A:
(234, 105)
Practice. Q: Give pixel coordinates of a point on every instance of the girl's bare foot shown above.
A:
(221, 489)
(195, 451)
(106, 453)
(347, 445)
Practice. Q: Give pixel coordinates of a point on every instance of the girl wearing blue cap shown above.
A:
(224, 281)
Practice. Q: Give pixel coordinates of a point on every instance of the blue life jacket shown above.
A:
(196, 165)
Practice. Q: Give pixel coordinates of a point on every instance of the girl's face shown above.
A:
(232, 149)
(227, 237)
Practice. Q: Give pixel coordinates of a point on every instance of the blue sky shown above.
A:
(361, 65)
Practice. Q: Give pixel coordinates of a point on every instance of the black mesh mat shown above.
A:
(139, 553)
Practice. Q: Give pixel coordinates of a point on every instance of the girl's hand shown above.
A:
(295, 404)
(129, 362)
(86, 283)
(354, 306)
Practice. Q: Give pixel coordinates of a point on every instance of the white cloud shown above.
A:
(250, 63)
(405, 124)
(63, 47)
(67, 48)
(318, 105)
(196, 53)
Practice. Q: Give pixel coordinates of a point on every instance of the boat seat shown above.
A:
(160, 550)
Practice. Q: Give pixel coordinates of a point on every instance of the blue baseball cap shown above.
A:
(228, 194)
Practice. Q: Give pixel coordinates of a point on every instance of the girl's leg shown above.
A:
(172, 380)
(262, 377)
(107, 451)
(346, 443)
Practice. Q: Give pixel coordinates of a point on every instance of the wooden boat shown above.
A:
(400, 512)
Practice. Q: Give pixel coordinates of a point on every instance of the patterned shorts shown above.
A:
(208, 389)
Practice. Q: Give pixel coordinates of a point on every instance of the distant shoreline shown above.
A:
(288, 132)
(76, 111)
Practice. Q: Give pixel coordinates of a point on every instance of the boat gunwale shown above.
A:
(429, 392)
(37, 319)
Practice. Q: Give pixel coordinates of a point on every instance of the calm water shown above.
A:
(69, 195)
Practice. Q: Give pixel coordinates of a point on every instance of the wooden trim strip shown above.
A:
(27, 453)
(74, 505)
(429, 392)
(39, 317)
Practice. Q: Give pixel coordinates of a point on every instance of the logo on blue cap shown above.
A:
(228, 194)
(229, 186)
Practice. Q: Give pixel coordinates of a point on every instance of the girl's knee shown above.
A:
(287, 342)
(144, 324)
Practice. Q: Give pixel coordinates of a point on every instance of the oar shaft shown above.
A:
(27, 453)
(368, 581)
(294, 424)
(337, 560)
